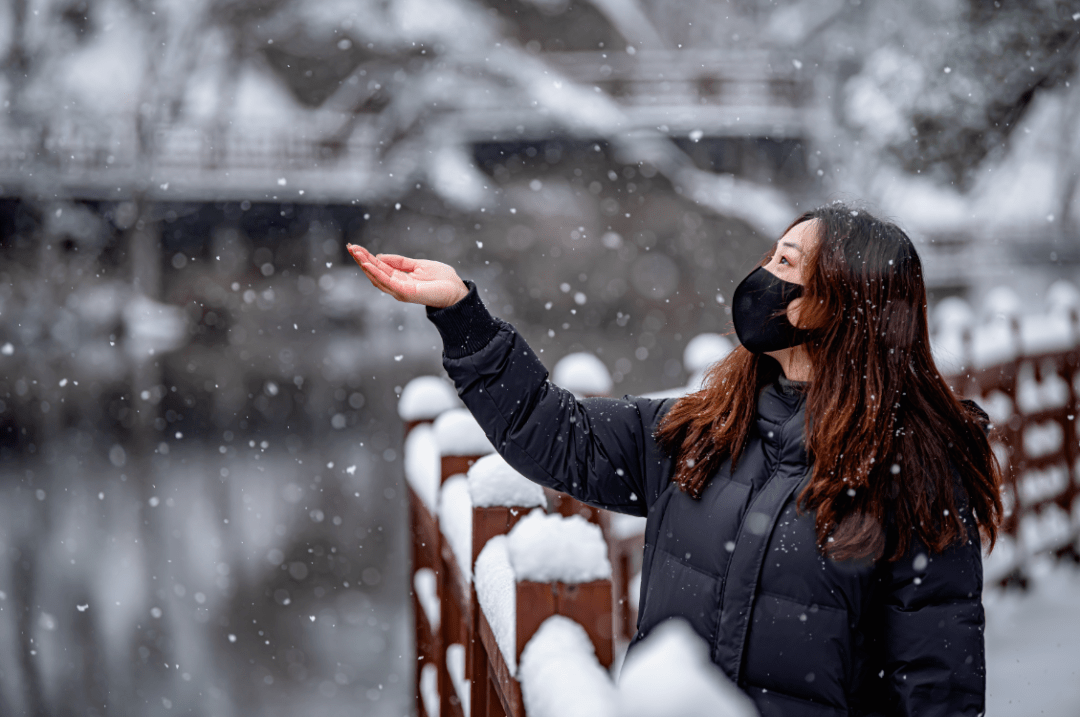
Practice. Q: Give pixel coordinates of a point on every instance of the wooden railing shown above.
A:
(1032, 400)
(460, 668)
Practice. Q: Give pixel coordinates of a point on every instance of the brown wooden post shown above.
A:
(625, 554)
(454, 597)
(423, 547)
(487, 523)
(568, 506)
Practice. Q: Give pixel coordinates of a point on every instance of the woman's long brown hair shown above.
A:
(884, 431)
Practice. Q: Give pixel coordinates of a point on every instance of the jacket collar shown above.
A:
(781, 421)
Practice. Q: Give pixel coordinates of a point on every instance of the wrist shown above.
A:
(466, 326)
(461, 293)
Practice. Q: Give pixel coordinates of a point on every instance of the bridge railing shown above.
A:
(1025, 372)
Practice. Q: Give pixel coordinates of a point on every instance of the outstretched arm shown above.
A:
(601, 451)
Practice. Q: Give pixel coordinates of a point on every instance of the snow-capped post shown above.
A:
(461, 442)
(547, 565)
(422, 401)
(500, 498)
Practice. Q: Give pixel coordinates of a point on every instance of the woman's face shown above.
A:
(790, 258)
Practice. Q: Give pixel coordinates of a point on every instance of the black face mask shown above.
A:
(759, 310)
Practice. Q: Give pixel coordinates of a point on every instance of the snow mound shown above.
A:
(994, 343)
(560, 675)
(1001, 301)
(425, 397)
(455, 521)
(496, 590)
(458, 434)
(670, 674)
(583, 374)
(423, 469)
(704, 350)
(953, 313)
(492, 482)
(549, 548)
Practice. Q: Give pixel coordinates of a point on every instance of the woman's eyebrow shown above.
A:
(794, 246)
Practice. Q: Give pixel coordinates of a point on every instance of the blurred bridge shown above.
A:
(335, 155)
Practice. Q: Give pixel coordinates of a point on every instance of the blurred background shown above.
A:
(201, 497)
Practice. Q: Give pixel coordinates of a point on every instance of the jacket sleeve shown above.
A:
(933, 631)
(599, 450)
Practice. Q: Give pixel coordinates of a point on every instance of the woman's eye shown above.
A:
(783, 260)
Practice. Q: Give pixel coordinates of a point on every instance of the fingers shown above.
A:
(383, 275)
(378, 275)
(401, 263)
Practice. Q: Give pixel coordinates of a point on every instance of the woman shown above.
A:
(814, 511)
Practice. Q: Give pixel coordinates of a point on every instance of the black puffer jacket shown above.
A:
(801, 634)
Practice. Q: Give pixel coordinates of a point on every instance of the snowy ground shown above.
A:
(1033, 646)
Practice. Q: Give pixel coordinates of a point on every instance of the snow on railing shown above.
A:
(668, 674)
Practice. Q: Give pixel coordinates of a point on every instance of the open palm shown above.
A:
(416, 281)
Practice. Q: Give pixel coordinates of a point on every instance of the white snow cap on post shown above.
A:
(425, 398)
(670, 673)
(550, 548)
(1062, 297)
(560, 675)
(458, 434)
(951, 318)
(583, 374)
(704, 350)
(492, 482)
